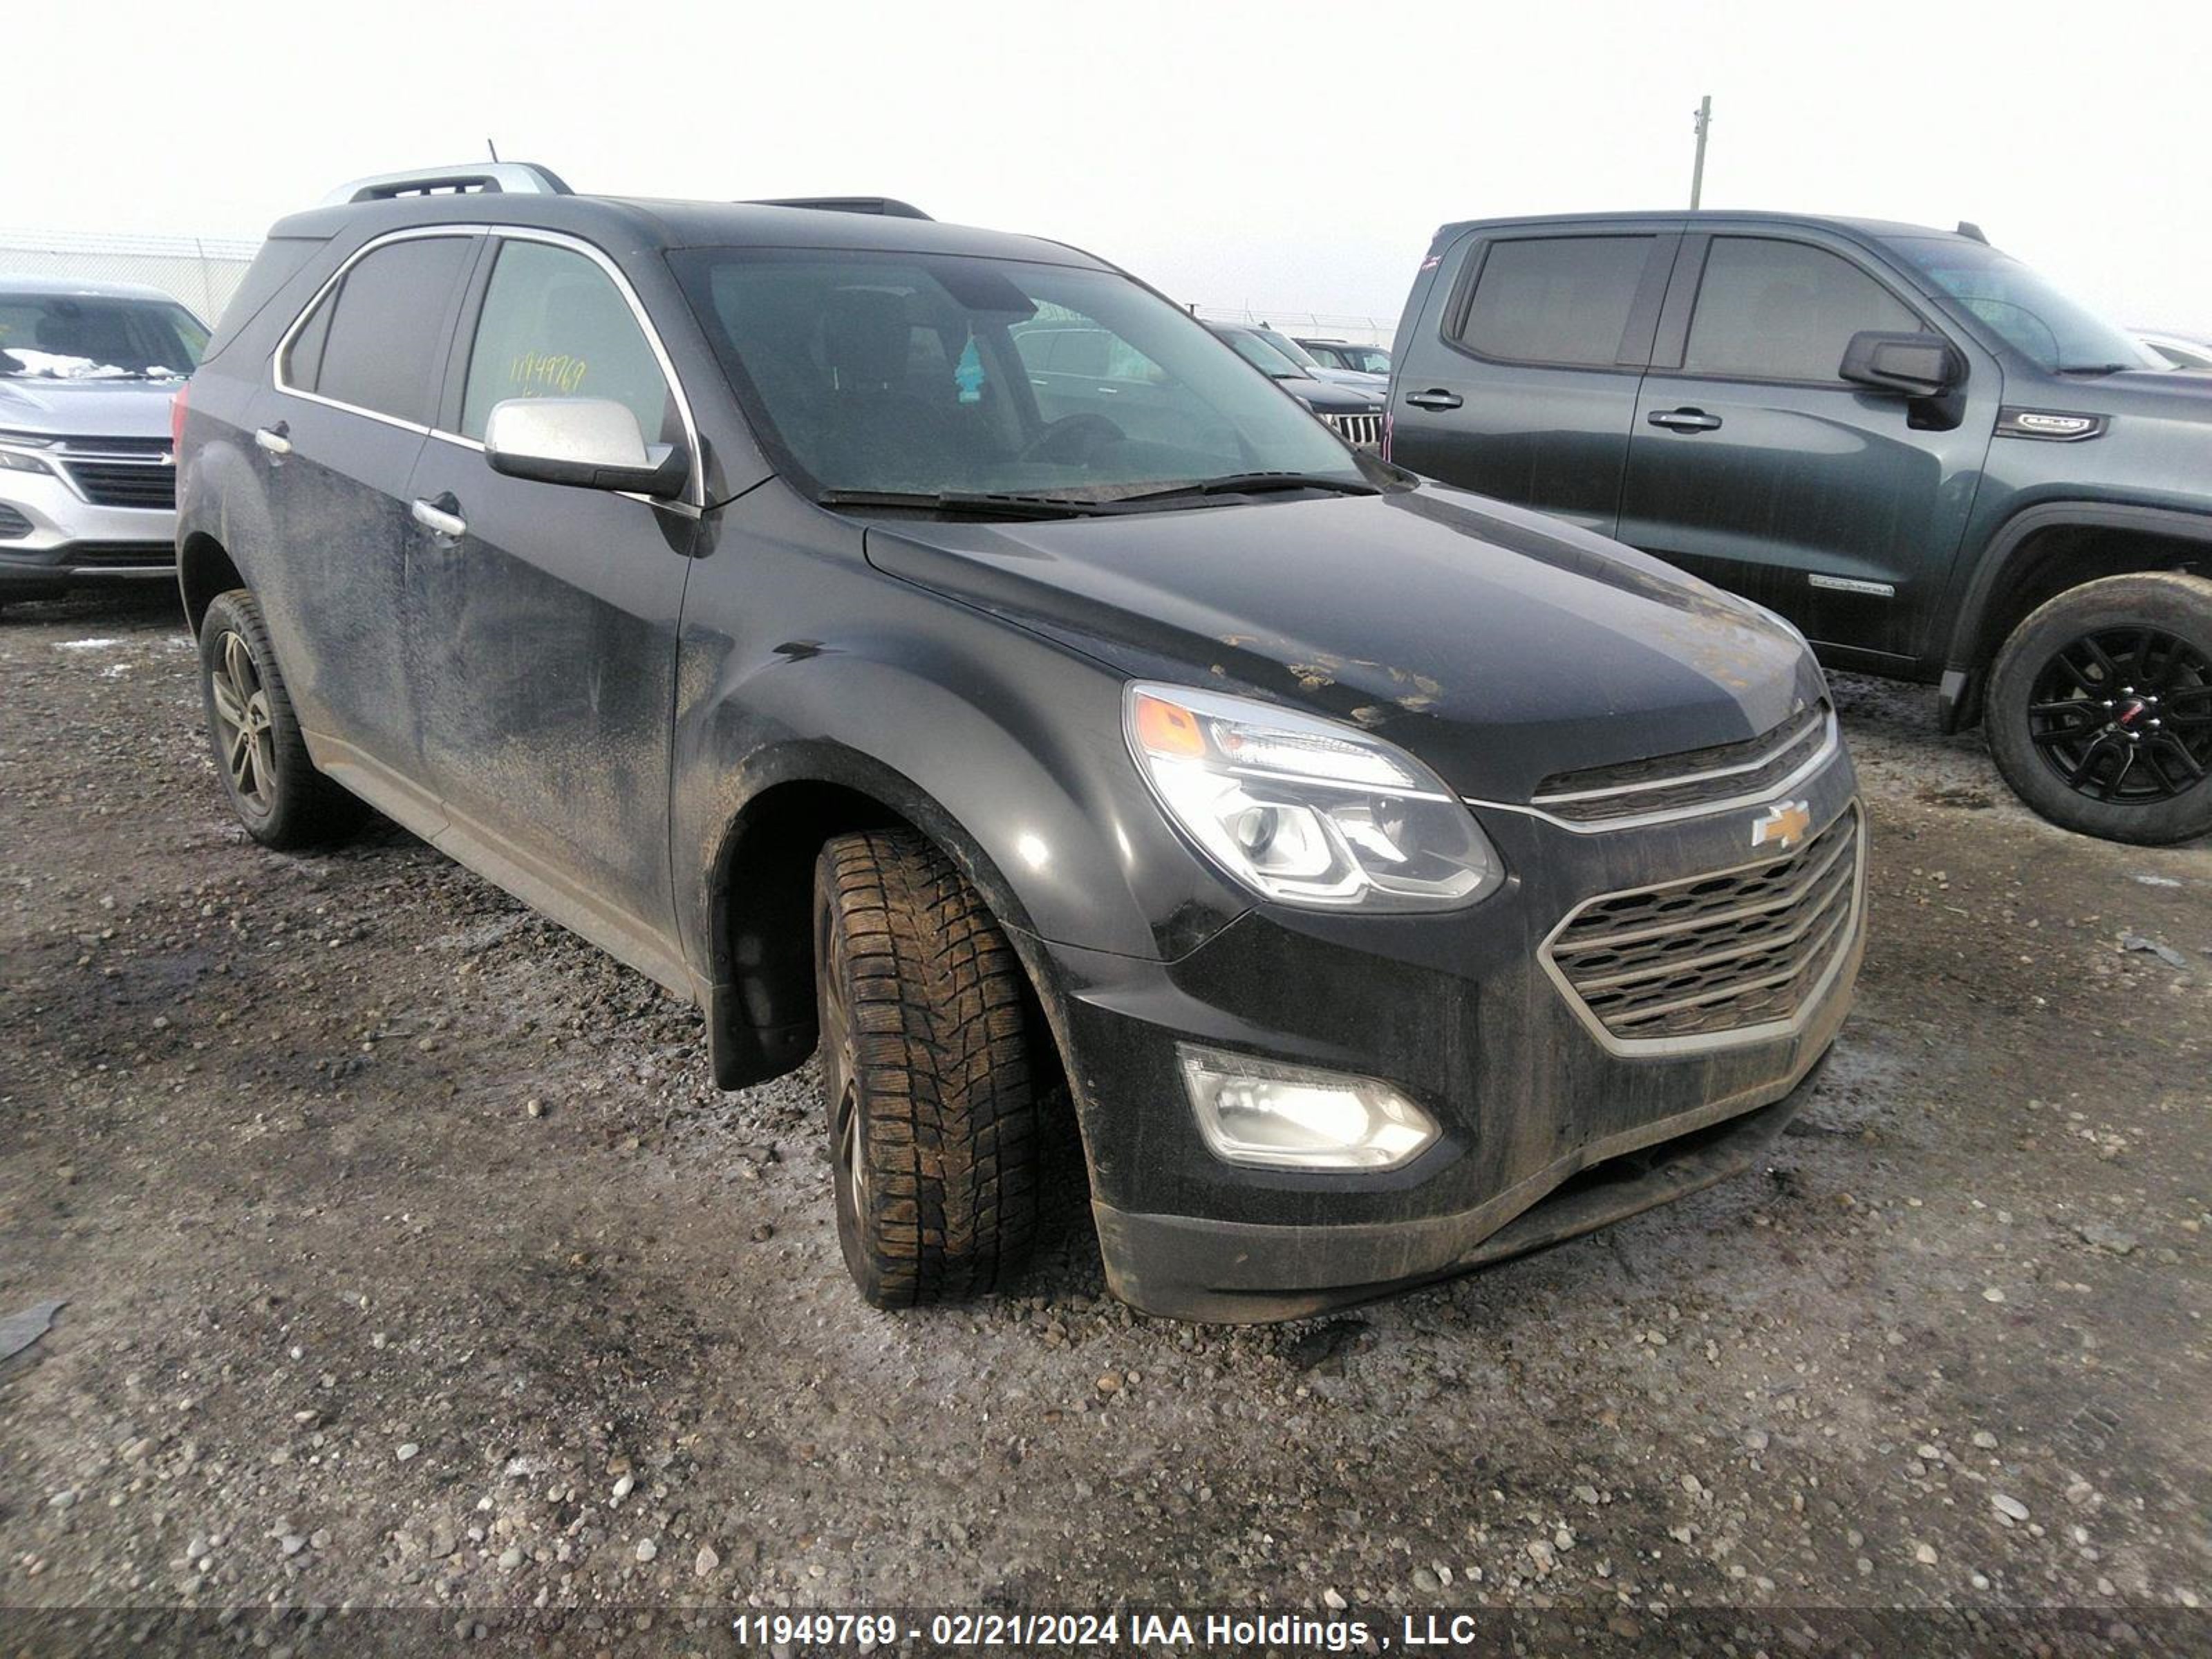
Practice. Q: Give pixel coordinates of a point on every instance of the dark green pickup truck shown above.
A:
(1906, 442)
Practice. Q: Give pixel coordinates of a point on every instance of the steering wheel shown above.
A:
(1072, 438)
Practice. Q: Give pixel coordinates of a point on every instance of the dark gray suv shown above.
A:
(1907, 442)
(721, 579)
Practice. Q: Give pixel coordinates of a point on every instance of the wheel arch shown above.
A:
(2038, 554)
(204, 569)
(760, 1000)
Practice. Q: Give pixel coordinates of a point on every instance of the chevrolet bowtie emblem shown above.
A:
(1783, 825)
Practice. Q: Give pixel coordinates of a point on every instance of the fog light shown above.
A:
(1293, 1117)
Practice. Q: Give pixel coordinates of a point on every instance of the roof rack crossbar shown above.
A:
(889, 206)
(471, 178)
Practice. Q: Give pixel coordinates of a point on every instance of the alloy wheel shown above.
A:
(842, 1084)
(2124, 714)
(244, 731)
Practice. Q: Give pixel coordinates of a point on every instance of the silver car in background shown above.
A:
(2184, 348)
(87, 476)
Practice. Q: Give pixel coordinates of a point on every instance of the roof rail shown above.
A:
(889, 206)
(470, 178)
(1967, 228)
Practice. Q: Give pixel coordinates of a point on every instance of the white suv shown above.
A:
(87, 472)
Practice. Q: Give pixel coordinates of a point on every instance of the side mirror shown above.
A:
(591, 442)
(1912, 365)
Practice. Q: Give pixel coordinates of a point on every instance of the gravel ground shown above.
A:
(409, 1258)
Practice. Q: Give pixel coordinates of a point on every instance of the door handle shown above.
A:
(441, 517)
(274, 438)
(1685, 420)
(1437, 397)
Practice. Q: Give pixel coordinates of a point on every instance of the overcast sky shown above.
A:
(1287, 157)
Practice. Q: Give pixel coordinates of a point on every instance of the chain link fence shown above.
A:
(202, 272)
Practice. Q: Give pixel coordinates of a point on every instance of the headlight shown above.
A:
(1304, 811)
(12, 444)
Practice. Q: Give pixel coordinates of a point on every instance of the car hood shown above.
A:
(2170, 393)
(1326, 397)
(1359, 379)
(1498, 646)
(88, 409)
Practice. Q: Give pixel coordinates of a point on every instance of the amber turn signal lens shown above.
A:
(1166, 730)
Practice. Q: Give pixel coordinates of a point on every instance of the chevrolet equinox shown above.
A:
(1384, 879)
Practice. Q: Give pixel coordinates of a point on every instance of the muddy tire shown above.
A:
(262, 759)
(927, 1074)
(2101, 708)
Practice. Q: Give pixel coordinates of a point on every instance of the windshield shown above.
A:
(91, 337)
(1368, 360)
(1289, 347)
(1261, 355)
(915, 373)
(2060, 334)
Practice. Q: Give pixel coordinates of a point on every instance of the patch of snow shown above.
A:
(52, 366)
(85, 644)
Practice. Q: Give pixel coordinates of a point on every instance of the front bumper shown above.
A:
(51, 539)
(1460, 1012)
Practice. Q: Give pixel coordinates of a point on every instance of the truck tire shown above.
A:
(2101, 708)
(275, 789)
(927, 1072)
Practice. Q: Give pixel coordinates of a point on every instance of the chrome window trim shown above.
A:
(277, 380)
(1820, 757)
(694, 485)
(1704, 1042)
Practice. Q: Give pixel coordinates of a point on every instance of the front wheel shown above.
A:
(2101, 708)
(926, 1067)
(275, 789)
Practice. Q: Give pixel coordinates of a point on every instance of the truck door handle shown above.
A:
(441, 517)
(274, 438)
(1685, 420)
(1435, 398)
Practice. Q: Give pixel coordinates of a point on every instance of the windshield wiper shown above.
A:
(2097, 368)
(1255, 484)
(982, 504)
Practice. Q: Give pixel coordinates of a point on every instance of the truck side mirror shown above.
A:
(1912, 365)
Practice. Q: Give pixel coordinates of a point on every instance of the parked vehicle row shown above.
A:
(1354, 410)
(1911, 446)
(934, 649)
(88, 483)
(1346, 354)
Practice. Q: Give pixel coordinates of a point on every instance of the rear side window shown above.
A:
(379, 330)
(1562, 300)
(303, 358)
(555, 325)
(280, 259)
(1771, 310)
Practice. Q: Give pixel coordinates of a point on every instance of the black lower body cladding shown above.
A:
(1553, 1118)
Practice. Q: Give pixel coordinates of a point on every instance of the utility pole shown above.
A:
(1698, 173)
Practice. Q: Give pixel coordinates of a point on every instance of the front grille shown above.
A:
(150, 447)
(125, 484)
(120, 556)
(14, 526)
(1360, 431)
(1715, 955)
(1689, 778)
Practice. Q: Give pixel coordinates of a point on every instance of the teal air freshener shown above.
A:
(968, 375)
